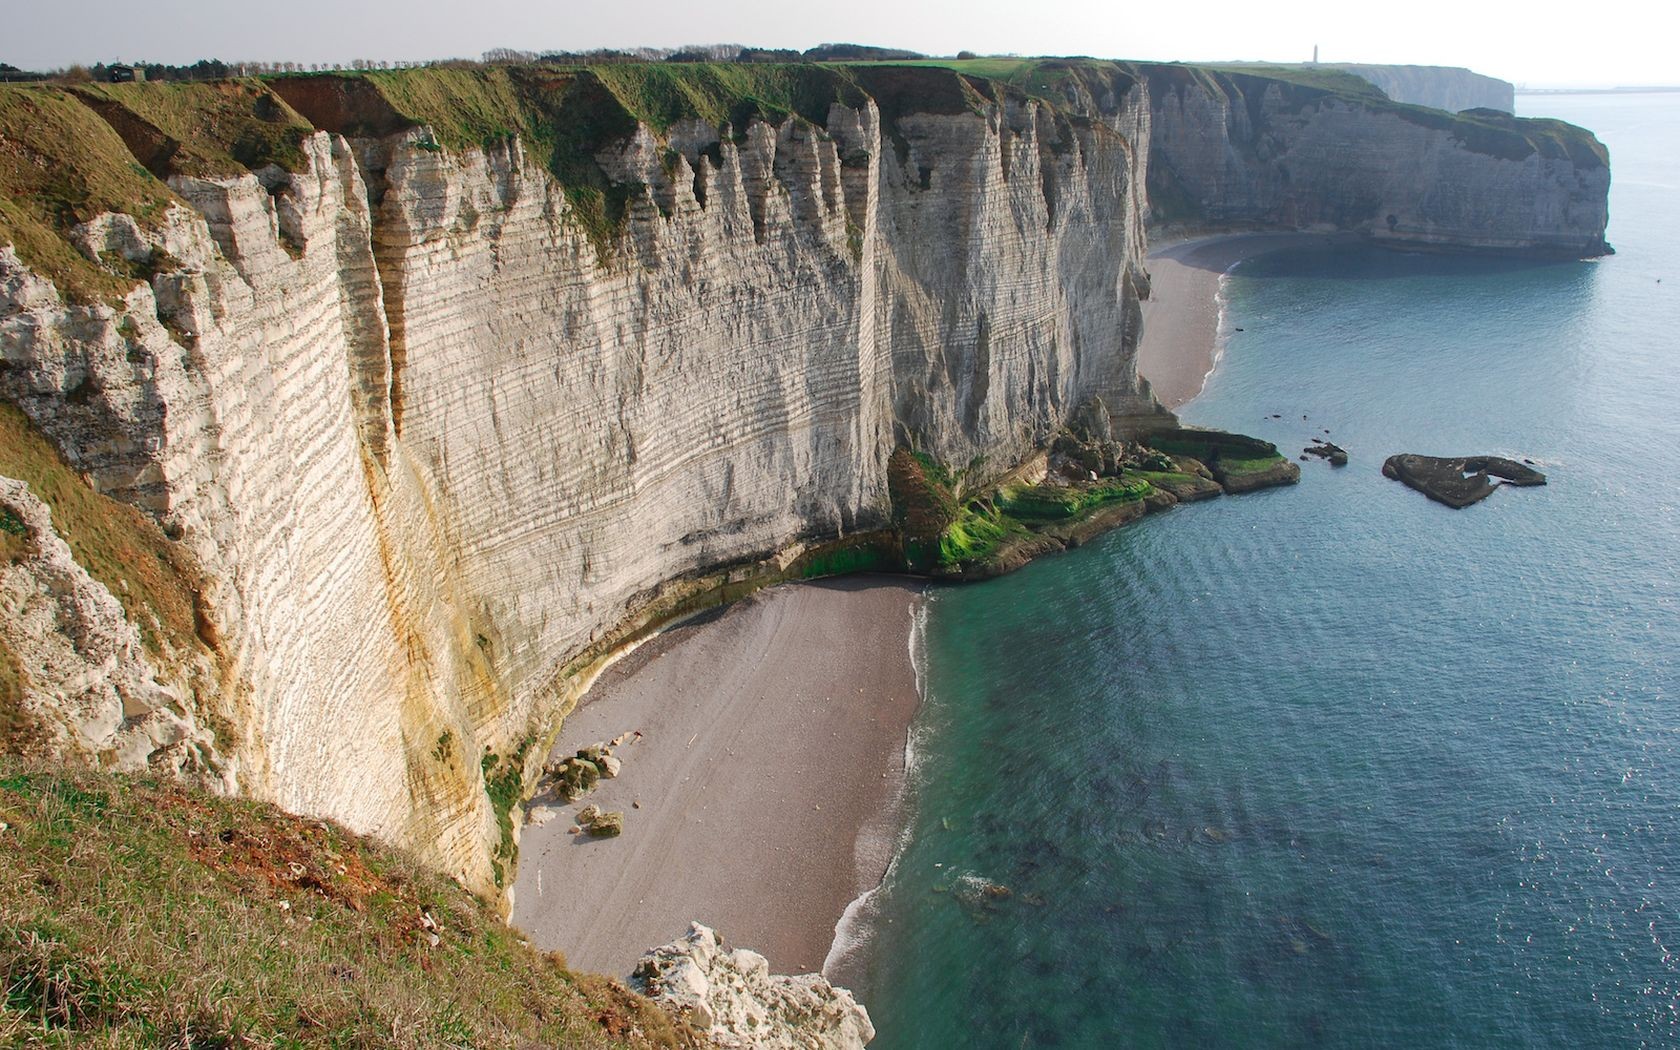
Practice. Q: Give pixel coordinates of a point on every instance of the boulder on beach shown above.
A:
(607, 825)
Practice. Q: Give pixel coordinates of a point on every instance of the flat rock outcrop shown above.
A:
(731, 996)
(1458, 481)
(1239, 463)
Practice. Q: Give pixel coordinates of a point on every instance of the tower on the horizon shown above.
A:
(1315, 54)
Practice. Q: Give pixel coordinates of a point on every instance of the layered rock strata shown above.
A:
(430, 445)
(439, 435)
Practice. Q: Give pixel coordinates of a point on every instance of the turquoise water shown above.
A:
(1335, 765)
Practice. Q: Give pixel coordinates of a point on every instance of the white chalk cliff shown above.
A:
(434, 451)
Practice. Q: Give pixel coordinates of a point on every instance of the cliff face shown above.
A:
(427, 450)
(1451, 88)
(1236, 150)
(443, 381)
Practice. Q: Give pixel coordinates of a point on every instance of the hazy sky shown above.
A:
(1544, 42)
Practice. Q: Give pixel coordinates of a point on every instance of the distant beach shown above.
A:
(769, 779)
(1180, 345)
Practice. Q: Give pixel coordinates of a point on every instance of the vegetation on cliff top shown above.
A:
(207, 129)
(69, 154)
(141, 913)
(61, 165)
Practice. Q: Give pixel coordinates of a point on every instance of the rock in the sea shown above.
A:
(1458, 481)
(1238, 462)
(734, 999)
(1336, 454)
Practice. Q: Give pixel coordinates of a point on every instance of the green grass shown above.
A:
(1248, 466)
(1164, 478)
(154, 578)
(206, 130)
(1053, 502)
(61, 165)
(990, 68)
(504, 783)
(868, 555)
(977, 533)
(137, 913)
(15, 726)
(1320, 78)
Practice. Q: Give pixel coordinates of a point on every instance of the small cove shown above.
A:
(1337, 765)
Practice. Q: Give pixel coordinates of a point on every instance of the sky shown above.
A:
(1540, 43)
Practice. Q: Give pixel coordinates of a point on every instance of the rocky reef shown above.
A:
(1458, 481)
(964, 525)
(386, 407)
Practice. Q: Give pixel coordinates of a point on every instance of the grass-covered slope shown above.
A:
(154, 578)
(138, 913)
(61, 165)
(68, 154)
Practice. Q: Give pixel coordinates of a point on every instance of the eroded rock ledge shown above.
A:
(730, 996)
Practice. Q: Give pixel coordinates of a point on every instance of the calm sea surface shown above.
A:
(1335, 765)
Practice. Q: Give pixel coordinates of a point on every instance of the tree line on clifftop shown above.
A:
(216, 69)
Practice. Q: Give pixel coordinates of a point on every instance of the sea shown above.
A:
(1334, 765)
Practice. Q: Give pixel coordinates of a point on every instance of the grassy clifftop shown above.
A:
(139, 913)
(69, 153)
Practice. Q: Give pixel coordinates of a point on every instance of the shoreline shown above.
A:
(1182, 342)
(770, 780)
(775, 822)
